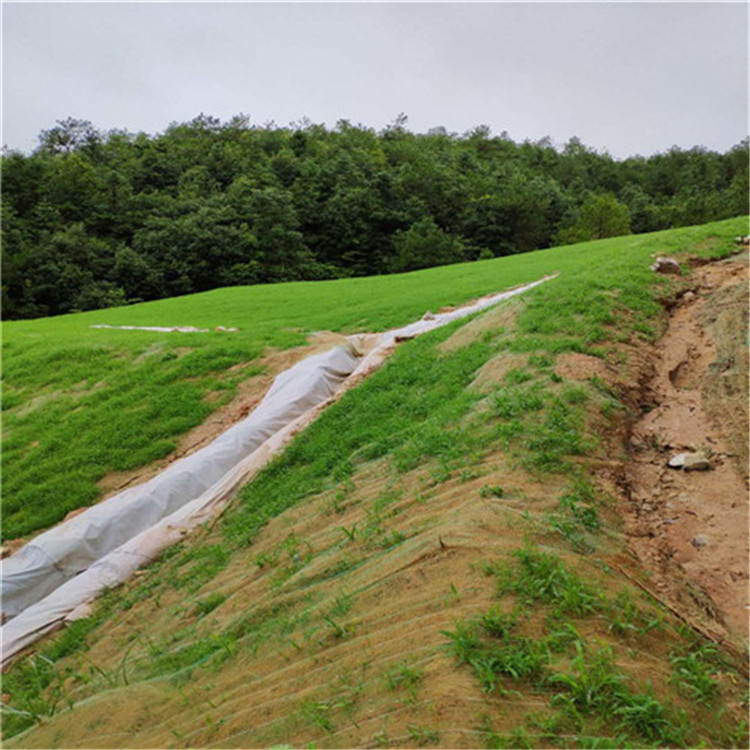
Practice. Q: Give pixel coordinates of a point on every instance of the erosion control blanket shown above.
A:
(48, 580)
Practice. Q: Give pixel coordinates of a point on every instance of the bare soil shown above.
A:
(690, 529)
(401, 598)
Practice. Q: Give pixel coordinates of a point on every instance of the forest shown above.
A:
(93, 219)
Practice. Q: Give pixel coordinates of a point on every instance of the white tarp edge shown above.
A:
(67, 566)
(65, 550)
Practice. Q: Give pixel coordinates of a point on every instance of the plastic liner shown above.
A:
(52, 578)
(65, 550)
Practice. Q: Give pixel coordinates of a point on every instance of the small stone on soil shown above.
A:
(696, 462)
(700, 540)
(689, 462)
(666, 265)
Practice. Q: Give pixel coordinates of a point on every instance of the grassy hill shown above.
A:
(79, 403)
(438, 560)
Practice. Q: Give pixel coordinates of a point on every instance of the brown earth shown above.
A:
(690, 529)
(496, 319)
(361, 611)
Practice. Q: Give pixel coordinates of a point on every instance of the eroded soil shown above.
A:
(690, 528)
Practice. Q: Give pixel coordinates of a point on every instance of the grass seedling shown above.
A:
(694, 673)
(423, 735)
(593, 686)
(540, 576)
(491, 491)
(406, 677)
(209, 603)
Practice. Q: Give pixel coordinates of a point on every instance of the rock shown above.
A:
(696, 462)
(678, 461)
(742, 240)
(689, 462)
(700, 540)
(666, 265)
(688, 296)
(428, 316)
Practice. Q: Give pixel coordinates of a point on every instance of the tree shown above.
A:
(600, 216)
(70, 135)
(424, 245)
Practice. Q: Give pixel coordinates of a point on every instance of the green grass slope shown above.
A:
(429, 563)
(79, 403)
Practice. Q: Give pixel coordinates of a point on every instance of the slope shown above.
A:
(85, 411)
(438, 560)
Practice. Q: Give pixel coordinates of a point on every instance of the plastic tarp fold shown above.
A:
(65, 550)
(57, 573)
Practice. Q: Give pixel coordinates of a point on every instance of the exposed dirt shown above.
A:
(494, 370)
(401, 600)
(690, 528)
(574, 366)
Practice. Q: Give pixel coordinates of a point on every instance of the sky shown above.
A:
(629, 78)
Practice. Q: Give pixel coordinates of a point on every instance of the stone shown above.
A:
(678, 461)
(700, 540)
(428, 316)
(666, 265)
(689, 462)
(688, 296)
(696, 462)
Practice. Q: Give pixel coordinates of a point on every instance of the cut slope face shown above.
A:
(438, 561)
(689, 528)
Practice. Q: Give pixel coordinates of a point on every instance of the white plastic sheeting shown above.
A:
(65, 550)
(158, 329)
(53, 577)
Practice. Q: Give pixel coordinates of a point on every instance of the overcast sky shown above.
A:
(626, 77)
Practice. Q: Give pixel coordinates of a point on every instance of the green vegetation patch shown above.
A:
(591, 697)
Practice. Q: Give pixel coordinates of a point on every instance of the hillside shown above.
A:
(465, 550)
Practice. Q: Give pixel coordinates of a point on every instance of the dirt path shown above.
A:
(690, 528)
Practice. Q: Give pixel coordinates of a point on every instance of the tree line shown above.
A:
(92, 219)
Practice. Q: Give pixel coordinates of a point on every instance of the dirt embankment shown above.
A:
(690, 528)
